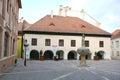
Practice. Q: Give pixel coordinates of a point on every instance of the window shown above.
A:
(47, 42)
(13, 46)
(117, 44)
(61, 42)
(34, 41)
(3, 9)
(112, 44)
(73, 43)
(112, 53)
(6, 44)
(101, 44)
(7, 5)
(86, 43)
(117, 53)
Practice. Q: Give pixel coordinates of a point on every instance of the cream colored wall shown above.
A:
(93, 43)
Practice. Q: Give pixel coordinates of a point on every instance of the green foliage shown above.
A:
(95, 53)
(41, 52)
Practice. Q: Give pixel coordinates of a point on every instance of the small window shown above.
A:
(13, 46)
(8, 5)
(112, 44)
(6, 40)
(101, 44)
(47, 42)
(112, 53)
(34, 41)
(118, 53)
(117, 44)
(73, 43)
(51, 24)
(61, 42)
(86, 43)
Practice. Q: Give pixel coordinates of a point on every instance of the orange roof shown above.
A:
(116, 32)
(26, 25)
(66, 25)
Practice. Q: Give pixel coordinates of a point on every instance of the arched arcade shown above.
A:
(72, 55)
(34, 55)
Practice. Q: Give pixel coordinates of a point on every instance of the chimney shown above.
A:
(97, 24)
(82, 14)
(51, 13)
(60, 10)
(66, 9)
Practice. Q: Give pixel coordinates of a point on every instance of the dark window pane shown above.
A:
(86, 43)
(6, 44)
(73, 43)
(34, 41)
(47, 42)
(61, 42)
(101, 44)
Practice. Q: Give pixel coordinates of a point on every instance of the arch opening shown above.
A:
(48, 55)
(34, 55)
(60, 55)
(100, 54)
(72, 55)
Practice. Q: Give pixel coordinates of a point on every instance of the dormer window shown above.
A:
(83, 26)
(51, 24)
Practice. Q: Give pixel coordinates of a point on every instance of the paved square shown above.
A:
(64, 70)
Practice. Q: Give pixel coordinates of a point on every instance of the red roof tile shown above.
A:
(65, 24)
(26, 25)
(116, 32)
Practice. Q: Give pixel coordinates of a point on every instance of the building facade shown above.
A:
(9, 10)
(115, 41)
(58, 36)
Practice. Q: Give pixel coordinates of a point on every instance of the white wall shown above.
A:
(93, 43)
(115, 49)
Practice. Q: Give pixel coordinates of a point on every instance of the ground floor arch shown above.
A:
(88, 57)
(60, 54)
(100, 54)
(72, 55)
(34, 55)
(48, 55)
(1, 34)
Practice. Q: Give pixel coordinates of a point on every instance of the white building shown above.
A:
(61, 36)
(68, 11)
(116, 45)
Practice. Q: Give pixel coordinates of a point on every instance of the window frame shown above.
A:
(101, 43)
(34, 41)
(87, 43)
(47, 42)
(73, 43)
(6, 44)
(61, 42)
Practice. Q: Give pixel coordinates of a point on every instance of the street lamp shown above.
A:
(25, 45)
(23, 22)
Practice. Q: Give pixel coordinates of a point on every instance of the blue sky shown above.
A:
(107, 12)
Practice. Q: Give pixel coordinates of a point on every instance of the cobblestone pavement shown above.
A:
(63, 70)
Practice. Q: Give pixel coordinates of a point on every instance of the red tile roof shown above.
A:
(66, 25)
(20, 25)
(116, 32)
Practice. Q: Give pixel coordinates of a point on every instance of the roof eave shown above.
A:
(19, 4)
(65, 33)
